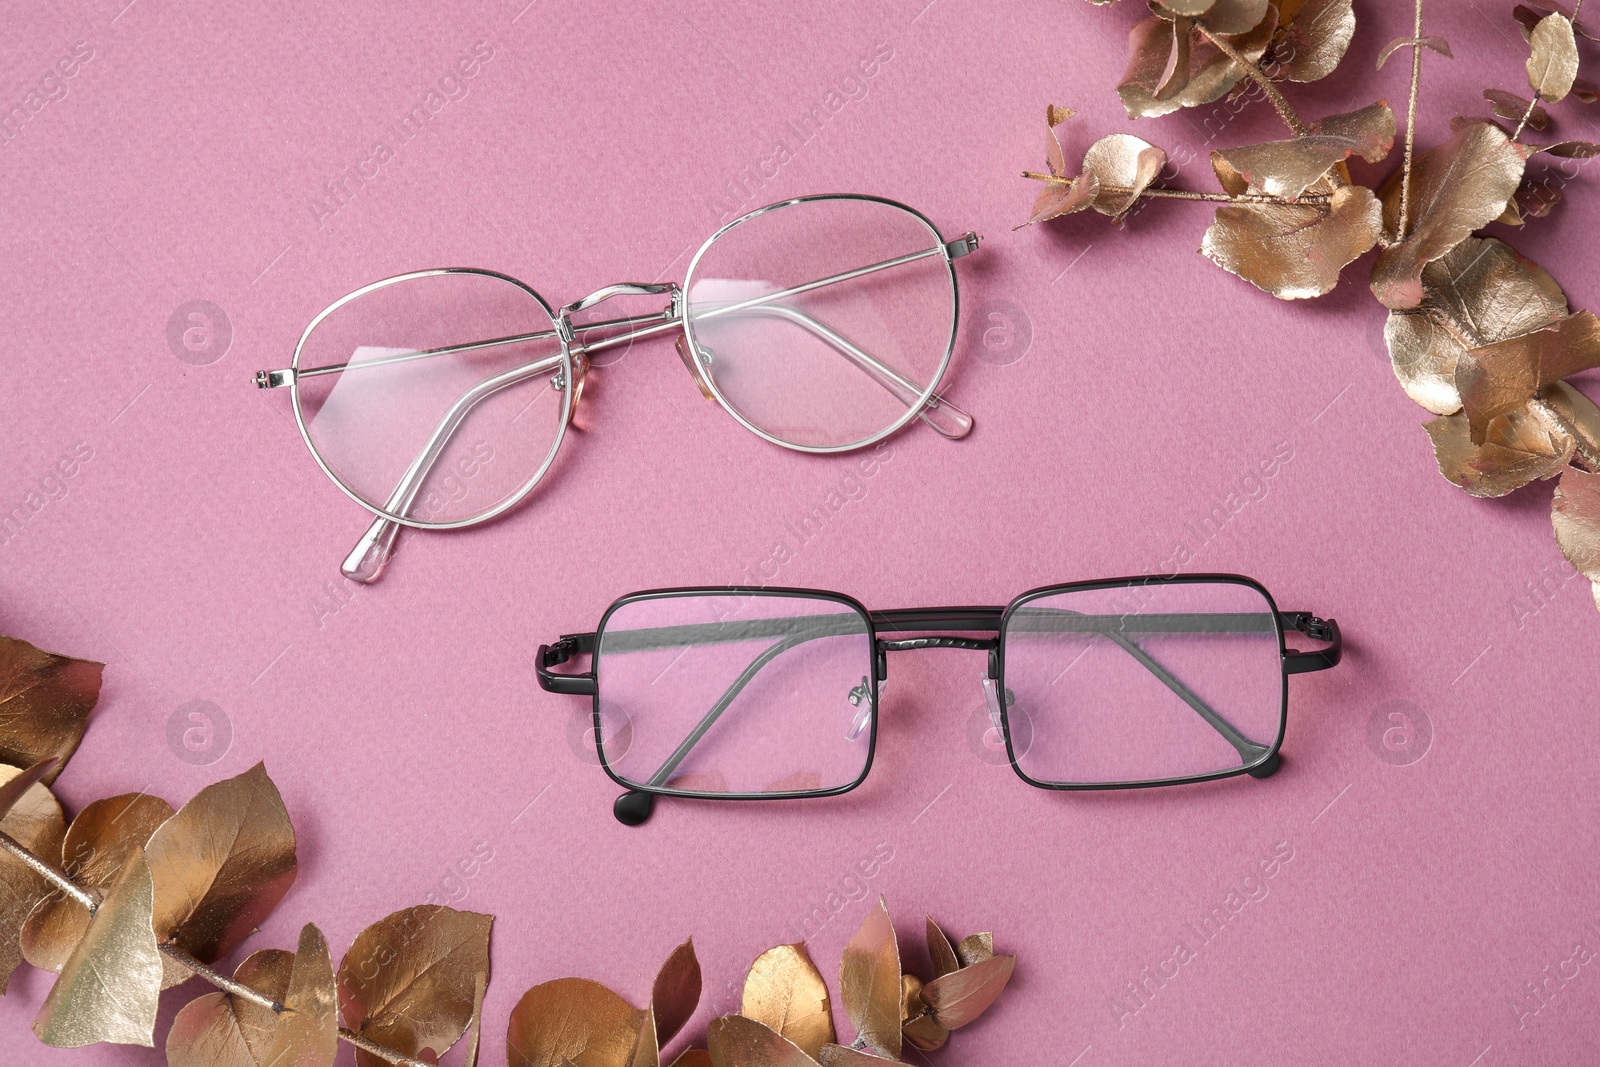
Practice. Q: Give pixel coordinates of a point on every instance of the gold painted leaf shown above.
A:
(1175, 75)
(1512, 107)
(1314, 38)
(1437, 44)
(1569, 149)
(1219, 16)
(1554, 62)
(307, 1034)
(96, 848)
(1458, 187)
(572, 1020)
(1211, 74)
(34, 821)
(975, 948)
(221, 864)
(1529, 15)
(785, 992)
(1576, 408)
(1054, 160)
(843, 1056)
(940, 950)
(869, 982)
(693, 1057)
(959, 998)
(408, 980)
(917, 1024)
(1518, 449)
(676, 992)
(1480, 292)
(45, 700)
(1575, 514)
(735, 1041)
(111, 985)
(12, 791)
(646, 1045)
(1057, 200)
(1503, 376)
(1294, 251)
(1288, 168)
(1125, 166)
(221, 1030)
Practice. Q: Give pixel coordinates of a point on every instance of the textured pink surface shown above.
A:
(195, 549)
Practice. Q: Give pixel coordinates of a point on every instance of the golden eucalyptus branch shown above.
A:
(1411, 126)
(63, 882)
(1280, 103)
(1187, 194)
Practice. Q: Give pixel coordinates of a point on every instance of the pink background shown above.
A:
(196, 551)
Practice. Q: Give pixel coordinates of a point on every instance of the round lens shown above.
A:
(435, 399)
(823, 324)
(1143, 683)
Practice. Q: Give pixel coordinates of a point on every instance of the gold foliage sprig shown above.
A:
(134, 897)
(1478, 335)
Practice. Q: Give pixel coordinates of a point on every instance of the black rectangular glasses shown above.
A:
(745, 694)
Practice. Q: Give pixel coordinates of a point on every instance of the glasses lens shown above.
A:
(736, 693)
(437, 398)
(1144, 682)
(838, 365)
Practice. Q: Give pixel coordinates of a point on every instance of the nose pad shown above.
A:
(695, 370)
(991, 699)
(580, 376)
(861, 699)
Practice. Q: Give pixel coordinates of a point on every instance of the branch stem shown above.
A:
(1189, 194)
(1280, 103)
(63, 882)
(1411, 126)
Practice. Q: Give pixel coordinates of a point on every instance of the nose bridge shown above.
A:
(668, 316)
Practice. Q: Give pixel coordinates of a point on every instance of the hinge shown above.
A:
(1313, 627)
(964, 245)
(273, 379)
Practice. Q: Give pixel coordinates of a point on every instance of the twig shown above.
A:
(1411, 126)
(1280, 103)
(1187, 194)
(1526, 115)
(1588, 451)
(63, 882)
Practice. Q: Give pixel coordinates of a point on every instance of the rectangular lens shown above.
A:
(735, 693)
(1142, 682)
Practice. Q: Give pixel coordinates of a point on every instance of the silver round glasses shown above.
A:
(438, 399)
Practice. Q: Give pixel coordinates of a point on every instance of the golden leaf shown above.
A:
(1554, 62)
(1456, 188)
(221, 1030)
(842, 1056)
(917, 1023)
(1057, 200)
(307, 1033)
(12, 791)
(1575, 514)
(1175, 74)
(572, 1020)
(1529, 15)
(1188, 7)
(869, 982)
(111, 985)
(33, 820)
(734, 1041)
(1499, 377)
(975, 948)
(959, 998)
(1577, 409)
(1288, 168)
(1438, 44)
(1480, 292)
(940, 950)
(1519, 448)
(96, 848)
(1219, 16)
(1054, 160)
(1313, 40)
(1569, 149)
(785, 992)
(1513, 107)
(1125, 166)
(221, 864)
(45, 702)
(408, 980)
(475, 1028)
(646, 1044)
(693, 1057)
(1211, 73)
(676, 992)
(1294, 251)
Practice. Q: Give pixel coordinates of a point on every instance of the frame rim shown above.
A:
(515, 498)
(736, 590)
(1129, 582)
(922, 400)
